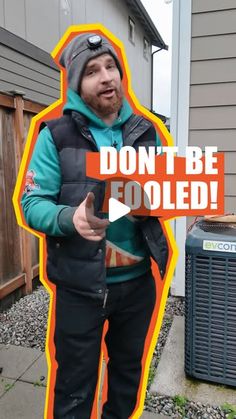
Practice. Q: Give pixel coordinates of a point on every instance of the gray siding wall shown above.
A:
(39, 82)
(212, 118)
(43, 23)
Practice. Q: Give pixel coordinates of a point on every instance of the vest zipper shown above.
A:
(105, 298)
(137, 136)
(90, 138)
(135, 125)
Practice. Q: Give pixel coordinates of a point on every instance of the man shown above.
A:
(101, 269)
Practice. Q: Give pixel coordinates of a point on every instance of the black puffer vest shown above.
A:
(74, 261)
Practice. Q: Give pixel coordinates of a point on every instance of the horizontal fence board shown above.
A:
(7, 101)
(32, 107)
(214, 23)
(213, 47)
(12, 285)
(35, 271)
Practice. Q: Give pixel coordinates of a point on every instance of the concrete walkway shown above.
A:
(170, 378)
(23, 376)
(23, 379)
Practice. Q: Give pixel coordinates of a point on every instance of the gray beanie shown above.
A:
(79, 51)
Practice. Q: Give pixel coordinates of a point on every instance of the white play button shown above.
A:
(117, 209)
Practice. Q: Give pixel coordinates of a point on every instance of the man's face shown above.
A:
(101, 86)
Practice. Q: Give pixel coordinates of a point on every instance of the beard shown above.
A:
(104, 106)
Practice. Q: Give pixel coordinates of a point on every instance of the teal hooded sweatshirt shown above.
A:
(126, 254)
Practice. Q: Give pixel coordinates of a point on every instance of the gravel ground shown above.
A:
(25, 324)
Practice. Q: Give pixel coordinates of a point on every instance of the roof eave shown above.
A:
(139, 10)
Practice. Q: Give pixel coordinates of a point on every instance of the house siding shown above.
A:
(212, 114)
(199, 6)
(43, 23)
(39, 82)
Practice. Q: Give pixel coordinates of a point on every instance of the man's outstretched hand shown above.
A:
(86, 223)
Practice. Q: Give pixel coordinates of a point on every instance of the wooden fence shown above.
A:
(18, 248)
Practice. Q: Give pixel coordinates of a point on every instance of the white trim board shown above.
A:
(181, 57)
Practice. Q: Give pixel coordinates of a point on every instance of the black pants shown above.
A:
(78, 333)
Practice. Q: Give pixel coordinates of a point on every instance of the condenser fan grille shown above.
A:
(210, 329)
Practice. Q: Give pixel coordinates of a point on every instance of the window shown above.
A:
(131, 31)
(146, 48)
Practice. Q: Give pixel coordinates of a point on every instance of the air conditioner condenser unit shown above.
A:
(210, 319)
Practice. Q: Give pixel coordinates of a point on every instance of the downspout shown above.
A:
(152, 75)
